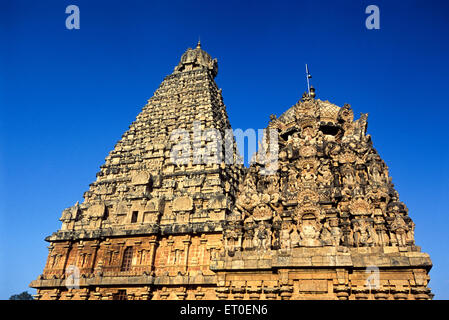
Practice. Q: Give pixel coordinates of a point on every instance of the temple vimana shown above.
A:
(327, 223)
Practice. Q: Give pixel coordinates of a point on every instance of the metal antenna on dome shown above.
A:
(308, 76)
(310, 89)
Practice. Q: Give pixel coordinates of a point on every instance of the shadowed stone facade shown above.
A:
(326, 224)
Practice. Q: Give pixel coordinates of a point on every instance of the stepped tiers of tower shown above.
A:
(327, 223)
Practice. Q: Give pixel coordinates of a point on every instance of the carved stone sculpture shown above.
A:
(311, 223)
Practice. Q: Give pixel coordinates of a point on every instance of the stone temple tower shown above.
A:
(150, 223)
(328, 224)
(164, 220)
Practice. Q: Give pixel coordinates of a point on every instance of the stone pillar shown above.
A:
(170, 243)
(66, 256)
(153, 243)
(95, 247)
(203, 244)
(186, 243)
(286, 288)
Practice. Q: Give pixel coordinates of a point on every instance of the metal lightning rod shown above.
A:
(308, 76)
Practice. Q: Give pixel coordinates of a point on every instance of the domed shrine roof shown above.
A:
(197, 58)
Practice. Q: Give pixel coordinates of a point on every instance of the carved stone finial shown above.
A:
(197, 58)
(312, 92)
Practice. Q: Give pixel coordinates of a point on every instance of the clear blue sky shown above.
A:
(66, 96)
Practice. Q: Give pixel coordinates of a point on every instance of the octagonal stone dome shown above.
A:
(197, 58)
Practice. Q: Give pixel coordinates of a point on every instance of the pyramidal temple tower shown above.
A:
(328, 224)
(150, 219)
(321, 220)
